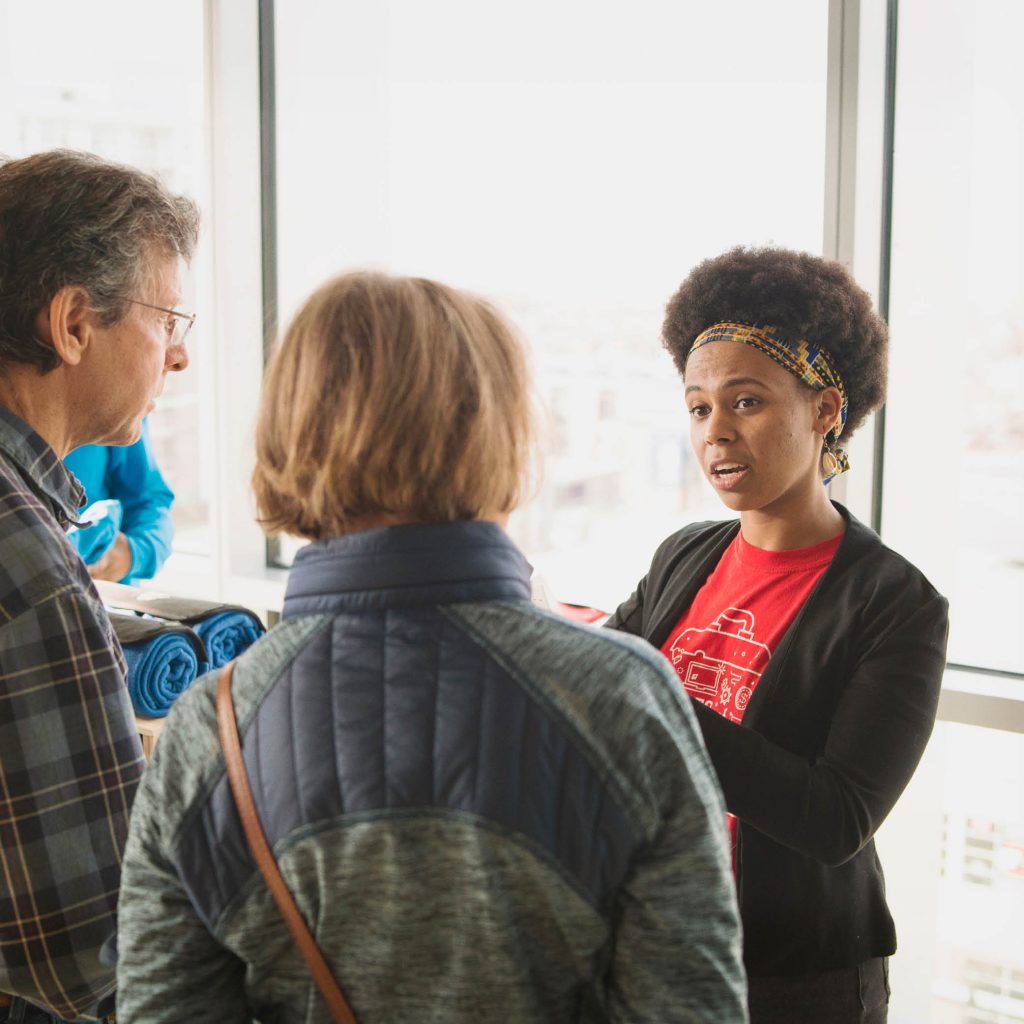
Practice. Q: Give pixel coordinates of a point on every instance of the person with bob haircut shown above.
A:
(812, 654)
(484, 811)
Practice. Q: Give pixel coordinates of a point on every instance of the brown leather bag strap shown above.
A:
(227, 725)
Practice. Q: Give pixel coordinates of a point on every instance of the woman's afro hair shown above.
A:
(805, 296)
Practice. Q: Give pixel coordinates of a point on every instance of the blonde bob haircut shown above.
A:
(391, 399)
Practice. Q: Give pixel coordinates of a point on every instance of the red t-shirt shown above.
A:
(722, 643)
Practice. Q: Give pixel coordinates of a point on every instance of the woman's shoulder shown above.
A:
(870, 562)
(695, 534)
(695, 540)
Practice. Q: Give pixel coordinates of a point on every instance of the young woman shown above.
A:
(485, 812)
(812, 653)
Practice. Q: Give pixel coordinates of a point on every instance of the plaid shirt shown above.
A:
(70, 758)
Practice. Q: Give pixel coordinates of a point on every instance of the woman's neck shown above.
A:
(773, 529)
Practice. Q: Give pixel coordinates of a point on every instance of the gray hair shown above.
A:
(70, 218)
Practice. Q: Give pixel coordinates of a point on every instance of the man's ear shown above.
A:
(67, 323)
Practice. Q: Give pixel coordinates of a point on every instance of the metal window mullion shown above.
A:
(885, 267)
(841, 99)
(268, 201)
(841, 129)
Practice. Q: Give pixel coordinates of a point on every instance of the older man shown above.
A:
(90, 286)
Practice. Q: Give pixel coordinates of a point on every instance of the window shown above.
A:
(955, 422)
(954, 859)
(126, 81)
(572, 165)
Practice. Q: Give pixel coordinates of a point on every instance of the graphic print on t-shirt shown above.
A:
(721, 663)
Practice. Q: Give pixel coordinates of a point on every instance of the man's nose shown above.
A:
(177, 358)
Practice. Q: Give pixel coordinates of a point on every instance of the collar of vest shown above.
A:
(402, 566)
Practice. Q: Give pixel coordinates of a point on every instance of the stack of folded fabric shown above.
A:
(176, 640)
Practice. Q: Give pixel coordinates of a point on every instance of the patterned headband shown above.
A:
(809, 362)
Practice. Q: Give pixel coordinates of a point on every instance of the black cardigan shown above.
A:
(830, 738)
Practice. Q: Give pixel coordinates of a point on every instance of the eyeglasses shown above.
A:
(177, 324)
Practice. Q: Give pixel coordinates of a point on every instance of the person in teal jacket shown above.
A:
(129, 506)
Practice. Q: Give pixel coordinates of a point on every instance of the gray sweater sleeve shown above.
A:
(170, 967)
(678, 954)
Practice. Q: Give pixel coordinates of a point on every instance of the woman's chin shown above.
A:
(737, 501)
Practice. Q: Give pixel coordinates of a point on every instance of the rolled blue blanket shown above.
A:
(227, 634)
(163, 661)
